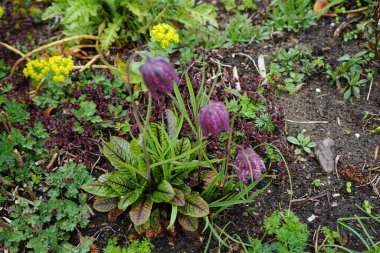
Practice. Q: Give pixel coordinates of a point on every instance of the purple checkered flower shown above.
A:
(214, 119)
(159, 75)
(248, 165)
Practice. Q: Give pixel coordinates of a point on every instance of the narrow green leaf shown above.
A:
(171, 124)
(141, 210)
(105, 204)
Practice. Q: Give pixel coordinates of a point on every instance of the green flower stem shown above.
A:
(142, 129)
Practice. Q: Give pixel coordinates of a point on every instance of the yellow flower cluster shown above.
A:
(36, 69)
(165, 34)
(1, 12)
(59, 65)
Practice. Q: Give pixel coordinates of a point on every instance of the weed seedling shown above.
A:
(348, 187)
(367, 206)
(303, 142)
(316, 182)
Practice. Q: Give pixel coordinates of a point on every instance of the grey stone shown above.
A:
(326, 154)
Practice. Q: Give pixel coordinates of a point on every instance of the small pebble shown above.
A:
(357, 135)
(318, 90)
(334, 204)
(312, 217)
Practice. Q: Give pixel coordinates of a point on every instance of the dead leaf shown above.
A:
(48, 110)
(94, 248)
(113, 214)
(209, 176)
(319, 5)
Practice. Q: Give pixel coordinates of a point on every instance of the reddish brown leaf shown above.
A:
(48, 110)
(113, 214)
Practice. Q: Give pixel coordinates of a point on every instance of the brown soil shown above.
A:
(327, 202)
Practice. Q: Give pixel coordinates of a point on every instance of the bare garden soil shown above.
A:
(342, 121)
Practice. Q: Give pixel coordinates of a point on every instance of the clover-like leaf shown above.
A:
(293, 140)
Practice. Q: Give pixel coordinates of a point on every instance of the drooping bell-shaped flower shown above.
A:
(159, 75)
(248, 165)
(214, 119)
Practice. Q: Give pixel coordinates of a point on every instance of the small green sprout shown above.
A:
(367, 206)
(348, 187)
(304, 143)
(316, 182)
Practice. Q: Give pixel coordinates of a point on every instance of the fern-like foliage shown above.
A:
(264, 123)
(110, 34)
(126, 19)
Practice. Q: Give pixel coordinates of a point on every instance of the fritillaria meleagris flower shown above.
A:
(158, 75)
(214, 119)
(248, 165)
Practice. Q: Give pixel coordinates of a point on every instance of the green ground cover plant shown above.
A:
(289, 68)
(122, 21)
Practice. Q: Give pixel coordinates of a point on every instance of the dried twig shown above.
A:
(370, 88)
(309, 198)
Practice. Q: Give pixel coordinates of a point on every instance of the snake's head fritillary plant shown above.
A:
(158, 75)
(248, 165)
(214, 119)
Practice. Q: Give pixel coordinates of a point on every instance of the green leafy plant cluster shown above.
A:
(251, 109)
(303, 142)
(44, 225)
(289, 68)
(245, 5)
(357, 226)
(240, 29)
(289, 233)
(171, 161)
(350, 76)
(122, 20)
(17, 149)
(299, 15)
(136, 246)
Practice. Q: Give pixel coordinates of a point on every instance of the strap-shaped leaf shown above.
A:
(157, 133)
(172, 125)
(135, 148)
(179, 198)
(182, 146)
(187, 222)
(141, 210)
(128, 199)
(101, 187)
(164, 192)
(155, 220)
(122, 183)
(195, 206)
(123, 145)
(105, 204)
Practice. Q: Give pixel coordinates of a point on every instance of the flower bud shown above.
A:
(249, 165)
(214, 119)
(158, 75)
